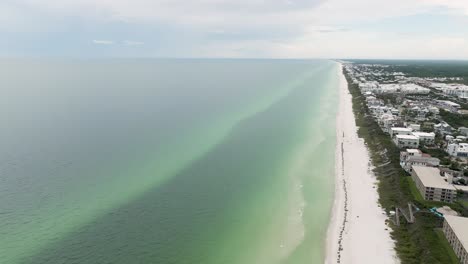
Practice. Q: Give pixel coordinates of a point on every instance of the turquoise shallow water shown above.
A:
(166, 161)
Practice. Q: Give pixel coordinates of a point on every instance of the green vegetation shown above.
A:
(424, 68)
(464, 203)
(435, 152)
(438, 153)
(447, 246)
(418, 242)
(455, 120)
(414, 190)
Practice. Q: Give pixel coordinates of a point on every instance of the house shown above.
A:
(386, 122)
(406, 141)
(372, 101)
(431, 185)
(415, 157)
(459, 150)
(463, 131)
(447, 171)
(433, 110)
(456, 231)
(399, 131)
(415, 127)
(425, 138)
(443, 128)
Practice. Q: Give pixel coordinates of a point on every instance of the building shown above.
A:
(394, 131)
(386, 121)
(404, 88)
(456, 231)
(368, 86)
(432, 186)
(459, 150)
(415, 127)
(448, 105)
(425, 138)
(414, 157)
(406, 141)
(433, 110)
(443, 128)
(454, 89)
(463, 131)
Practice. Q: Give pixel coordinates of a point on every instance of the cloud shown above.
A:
(456, 6)
(277, 28)
(103, 42)
(132, 43)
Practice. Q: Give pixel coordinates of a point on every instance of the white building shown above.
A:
(414, 127)
(458, 150)
(463, 131)
(452, 89)
(443, 128)
(425, 138)
(432, 186)
(415, 157)
(456, 232)
(448, 105)
(461, 92)
(394, 131)
(372, 101)
(386, 122)
(406, 141)
(405, 88)
(368, 86)
(433, 109)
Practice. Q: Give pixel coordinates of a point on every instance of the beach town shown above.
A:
(402, 166)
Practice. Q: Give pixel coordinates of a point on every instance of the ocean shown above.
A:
(171, 161)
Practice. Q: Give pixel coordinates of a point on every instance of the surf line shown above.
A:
(343, 225)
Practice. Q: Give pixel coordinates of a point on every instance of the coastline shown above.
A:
(357, 232)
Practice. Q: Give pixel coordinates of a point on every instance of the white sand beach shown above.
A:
(357, 232)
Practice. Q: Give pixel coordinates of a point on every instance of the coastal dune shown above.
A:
(357, 232)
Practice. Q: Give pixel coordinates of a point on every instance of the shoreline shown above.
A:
(357, 232)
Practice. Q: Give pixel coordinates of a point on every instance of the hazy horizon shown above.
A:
(320, 29)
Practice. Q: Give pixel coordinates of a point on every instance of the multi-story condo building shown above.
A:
(456, 232)
(432, 186)
(406, 141)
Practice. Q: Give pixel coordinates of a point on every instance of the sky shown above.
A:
(388, 29)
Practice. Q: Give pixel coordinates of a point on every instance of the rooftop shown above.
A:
(424, 134)
(407, 137)
(449, 103)
(430, 177)
(458, 225)
(423, 159)
(401, 129)
(461, 187)
(446, 210)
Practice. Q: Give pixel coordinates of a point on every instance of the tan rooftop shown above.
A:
(430, 177)
(459, 226)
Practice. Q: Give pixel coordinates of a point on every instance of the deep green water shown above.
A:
(166, 161)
